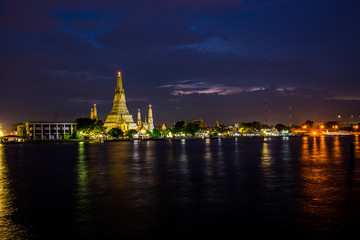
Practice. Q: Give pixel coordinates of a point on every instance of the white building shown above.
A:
(49, 130)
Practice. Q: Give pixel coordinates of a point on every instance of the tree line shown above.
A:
(92, 128)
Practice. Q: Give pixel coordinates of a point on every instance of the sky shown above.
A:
(216, 60)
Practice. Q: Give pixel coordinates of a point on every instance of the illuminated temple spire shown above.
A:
(119, 116)
(119, 85)
(95, 112)
(139, 118)
(151, 121)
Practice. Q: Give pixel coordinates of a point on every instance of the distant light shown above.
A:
(339, 116)
(119, 72)
(314, 133)
(322, 126)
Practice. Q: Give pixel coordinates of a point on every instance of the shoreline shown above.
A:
(161, 139)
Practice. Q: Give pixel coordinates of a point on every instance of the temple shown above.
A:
(93, 114)
(148, 124)
(151, 121)
(119, 116)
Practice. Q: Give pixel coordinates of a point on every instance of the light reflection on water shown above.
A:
(337, 149)
(83, 193)
(208, 159)
(132, 189)
(323, 186)
(8, 229)
(183, 161)
(265, 155)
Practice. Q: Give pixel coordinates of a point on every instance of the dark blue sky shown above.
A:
(216, 60)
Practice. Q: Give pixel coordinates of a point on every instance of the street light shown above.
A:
(355, 127)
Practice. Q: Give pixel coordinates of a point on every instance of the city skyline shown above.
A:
(58, 59)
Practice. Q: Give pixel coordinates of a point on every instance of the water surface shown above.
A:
(296, 187)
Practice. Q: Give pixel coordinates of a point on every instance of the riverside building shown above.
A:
(49, 130)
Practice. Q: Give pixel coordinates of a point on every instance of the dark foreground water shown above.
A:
(293, 188)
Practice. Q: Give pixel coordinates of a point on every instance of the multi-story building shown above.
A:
(49, 130)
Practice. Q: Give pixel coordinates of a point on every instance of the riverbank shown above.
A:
(163, 139)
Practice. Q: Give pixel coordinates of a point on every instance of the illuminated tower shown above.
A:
(95, 113)
(119, 115)
(151, 121)
(145, 123)
(139, 118)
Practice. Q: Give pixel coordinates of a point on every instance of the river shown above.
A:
(284, 187)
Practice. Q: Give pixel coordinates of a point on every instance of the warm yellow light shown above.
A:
(339, 116)
(314, 133)
(304, 126)
(322, 126)
(1, 133)
(356, 126)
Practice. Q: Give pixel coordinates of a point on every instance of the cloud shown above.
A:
(345, 98)
(188, 87)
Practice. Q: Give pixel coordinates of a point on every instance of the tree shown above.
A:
(251, 126)
(280, 127)
(156, 132)
(257, 125)
(331, 124)
(115, 132)
(85, 125)
(308, 123)
(165, 132)
(179, 127)
(191, 128)
(131, 132)
(99, 129)
(219, 129)
(91, 127)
